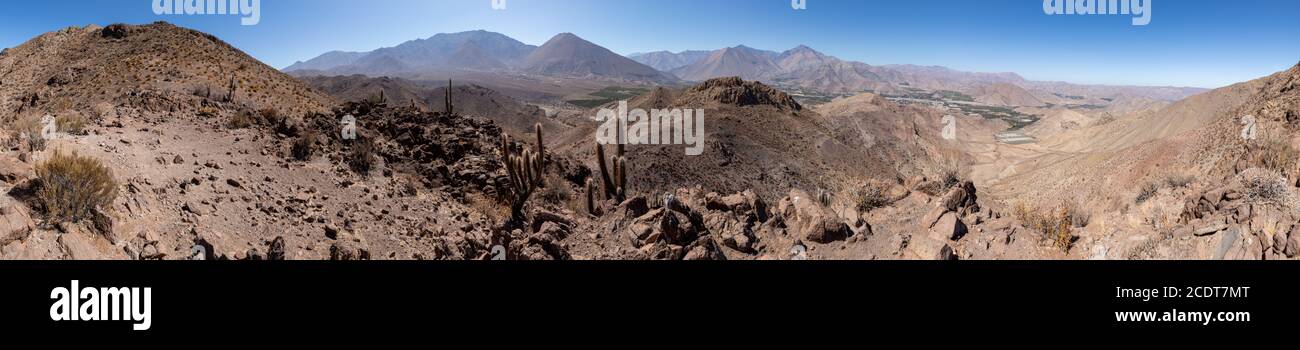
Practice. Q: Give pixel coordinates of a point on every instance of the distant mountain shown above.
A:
(568, 55)
(800, 68)
(472, 56)
(1005, 94)
(803, 57)
(473, 50)
(740, 61)
(667, 61)
(328, 60)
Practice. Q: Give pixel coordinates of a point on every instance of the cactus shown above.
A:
(591, 197)
(525, 172)
(230, 93)
(450, 107)
(613, 175)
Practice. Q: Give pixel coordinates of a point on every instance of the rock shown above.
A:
(1243, 213)
(13, 170)
(635, 206)
(194, 208)
(82, 244)
(234, 183)
(950, 227)
(115, 31)
(344, 251)
(954, 199)
(276, 250)
(811, 222)
(932, 217)
(912, 182)
(1210, 229)
(1279, 242)
(15, 222)
(704, 249)
(178, 160)
(331, 232)
(1293, 245)
(928, 248)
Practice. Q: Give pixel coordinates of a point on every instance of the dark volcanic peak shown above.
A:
(735, 91)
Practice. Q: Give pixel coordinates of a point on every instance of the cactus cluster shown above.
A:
(613, 178)
(525, 171)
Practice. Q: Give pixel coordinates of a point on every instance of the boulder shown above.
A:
(949, 227)
(810, 221)
(275, 252)
(923, 247)
(13, 171)
(348, 251)
(15, 222)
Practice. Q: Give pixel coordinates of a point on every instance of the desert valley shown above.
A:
(149, 142)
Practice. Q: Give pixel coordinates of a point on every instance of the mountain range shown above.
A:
(800, 68)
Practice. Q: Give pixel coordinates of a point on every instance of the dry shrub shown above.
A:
(1055, 225)
(557, 192)
(1276, 155)
(495, 211)
(361, 158)
(1148, 191)
(73, 187)
(870, 197)
(241, 120)
(1266, 189)
(30, 126)
(209, 112)
(71, 122)
(1179, 181)
(304, 147)
(270, 116)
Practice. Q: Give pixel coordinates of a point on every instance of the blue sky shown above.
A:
(1204, 43)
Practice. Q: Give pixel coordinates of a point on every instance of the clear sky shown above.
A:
(1203, 43)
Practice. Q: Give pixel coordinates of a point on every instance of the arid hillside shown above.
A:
(165, 143)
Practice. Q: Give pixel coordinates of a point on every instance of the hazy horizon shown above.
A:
(1193, 43)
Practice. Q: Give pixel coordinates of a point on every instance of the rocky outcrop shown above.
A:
(810, 221)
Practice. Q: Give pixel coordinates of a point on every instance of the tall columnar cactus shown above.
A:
(230, 92)
(591, 197)
(525, 171)
(613, 175)
(450, 107)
